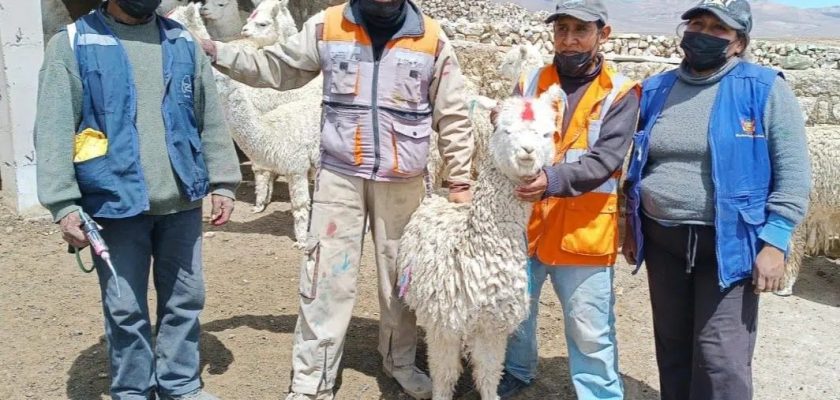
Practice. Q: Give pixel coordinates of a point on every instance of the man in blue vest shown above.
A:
(150, 143)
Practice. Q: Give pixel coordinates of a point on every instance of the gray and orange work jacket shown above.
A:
(378, 115)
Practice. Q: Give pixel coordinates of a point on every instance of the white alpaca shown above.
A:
(822, 222)
(519, 59)
(270, 23)
(463, 266)
(278, 131)
(167, 6)
(222, 18)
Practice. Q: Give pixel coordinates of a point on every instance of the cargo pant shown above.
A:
(341, 206)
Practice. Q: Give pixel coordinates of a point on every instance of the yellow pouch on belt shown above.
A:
(90, 144)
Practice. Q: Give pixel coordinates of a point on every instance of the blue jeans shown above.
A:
(173, 241)
(587, 299)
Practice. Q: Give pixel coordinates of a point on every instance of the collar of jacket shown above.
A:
(412, 27)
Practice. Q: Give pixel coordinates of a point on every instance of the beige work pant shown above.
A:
(341, 205)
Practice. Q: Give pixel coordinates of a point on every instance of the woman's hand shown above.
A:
(769, 269)
(628, 248)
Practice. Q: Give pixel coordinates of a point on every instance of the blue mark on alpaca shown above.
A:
(343, 267)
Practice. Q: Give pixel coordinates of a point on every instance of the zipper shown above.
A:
(375, 113)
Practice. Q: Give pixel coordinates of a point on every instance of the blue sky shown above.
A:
(810, 3)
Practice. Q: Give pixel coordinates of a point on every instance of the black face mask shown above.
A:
(140, 9)
(574, 64)
(382, 15)
(704, 52)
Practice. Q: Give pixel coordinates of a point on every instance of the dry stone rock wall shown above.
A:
(486, 22)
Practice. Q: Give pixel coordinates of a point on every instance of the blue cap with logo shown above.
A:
(584, 10)
(734, 13)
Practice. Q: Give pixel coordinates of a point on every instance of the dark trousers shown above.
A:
(704, 336)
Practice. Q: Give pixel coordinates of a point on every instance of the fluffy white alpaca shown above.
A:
(270, 23)
(813, 236)
(222, 19)
(519, 59)
(279, 132)
(463, 266)
(167, 6)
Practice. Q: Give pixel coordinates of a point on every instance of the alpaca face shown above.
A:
(262, 24)
(166, 6)
(217, 9)
(188, 16)
(523, 142)
(518, 57)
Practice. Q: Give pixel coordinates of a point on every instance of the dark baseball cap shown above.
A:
(735, 13)
(584, 10)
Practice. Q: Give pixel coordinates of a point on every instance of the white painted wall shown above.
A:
(21, 56)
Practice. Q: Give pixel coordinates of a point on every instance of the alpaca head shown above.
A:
(167, 6)
(268, 23)
(214, 10)
(523, 142)
(189, 16)
(520, 59)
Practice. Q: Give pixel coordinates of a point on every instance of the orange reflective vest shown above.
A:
(582, 230)
(377, 113)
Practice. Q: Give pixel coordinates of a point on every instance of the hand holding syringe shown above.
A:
(100, 248)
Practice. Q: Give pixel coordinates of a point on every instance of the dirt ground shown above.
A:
(52, 335)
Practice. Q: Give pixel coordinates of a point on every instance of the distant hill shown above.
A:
(771, 19)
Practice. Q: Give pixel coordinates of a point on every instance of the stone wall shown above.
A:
(818, 90)
(504, 25)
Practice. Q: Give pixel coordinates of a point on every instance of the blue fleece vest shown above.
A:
(741, 169)
(112, 185)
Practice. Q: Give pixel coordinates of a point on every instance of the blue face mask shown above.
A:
(704, 52)
(140, 9)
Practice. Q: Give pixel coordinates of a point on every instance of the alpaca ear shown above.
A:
(555, 98)
(523, 51)
(275, 10)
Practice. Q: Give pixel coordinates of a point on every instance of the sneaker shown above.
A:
(323, 395)
(510, 385)
(196, 395)
(413, 381)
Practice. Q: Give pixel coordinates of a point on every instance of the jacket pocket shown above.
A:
(410, 146)
(408, 85)
(590, 226)
(752, 218)
(342, 136)
(309, 269)
(345, 77)
(89, 144)
(94, 178)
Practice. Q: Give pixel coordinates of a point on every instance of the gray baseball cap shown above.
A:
(735, 13)
(584, 10)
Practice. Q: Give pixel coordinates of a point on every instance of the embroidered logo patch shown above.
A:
(748, 129)
(187, 86)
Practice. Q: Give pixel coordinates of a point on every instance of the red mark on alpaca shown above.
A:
(331, 228)
(528, 112)
(250, 17)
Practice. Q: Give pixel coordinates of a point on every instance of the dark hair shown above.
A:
(600, 24)
(745, 39)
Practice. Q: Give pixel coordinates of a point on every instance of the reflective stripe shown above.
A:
(533, 83)
(71, 34)
(608, 187)
(88, 39)
(186, 35)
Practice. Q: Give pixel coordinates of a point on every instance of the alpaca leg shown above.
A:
(487, 355)
(264, 186)
(444, 363)
(794, 262)
(299, 195)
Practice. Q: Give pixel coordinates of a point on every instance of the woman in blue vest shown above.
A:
(718, 180)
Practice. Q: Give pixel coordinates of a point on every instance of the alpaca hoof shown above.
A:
(257, 208)
(784, 292)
